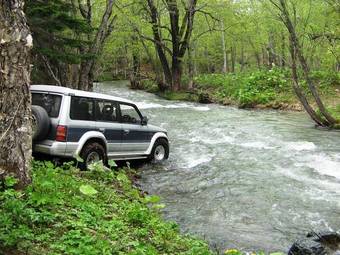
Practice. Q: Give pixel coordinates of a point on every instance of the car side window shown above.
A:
(82, 108)
(106, 111)
(129, 114)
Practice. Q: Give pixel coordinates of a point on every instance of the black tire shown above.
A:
(41, 123)
(160, 143)
(90, 149)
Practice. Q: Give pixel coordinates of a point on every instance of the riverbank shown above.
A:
(65, 211)
(266, 89)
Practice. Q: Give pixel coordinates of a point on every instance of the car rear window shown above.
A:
(50, 102)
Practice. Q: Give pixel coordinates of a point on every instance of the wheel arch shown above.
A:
(156, 136)
(89, 137)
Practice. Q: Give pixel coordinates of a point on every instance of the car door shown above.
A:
(135, 135)
(107, 122)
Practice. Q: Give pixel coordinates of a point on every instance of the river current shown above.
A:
(251, 179)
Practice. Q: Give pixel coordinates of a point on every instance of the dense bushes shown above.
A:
(65, 211)
(261, 87)
(248, 90)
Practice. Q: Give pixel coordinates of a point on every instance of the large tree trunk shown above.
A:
(176, 76)
(15, 100)
(295, 44)
(180, 38)
(85, 80)
(299, 91)
(105, 28)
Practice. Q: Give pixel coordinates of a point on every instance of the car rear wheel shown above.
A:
(160, 150)
(91, 153)
(40, 123)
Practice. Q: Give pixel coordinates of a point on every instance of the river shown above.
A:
(251, 179)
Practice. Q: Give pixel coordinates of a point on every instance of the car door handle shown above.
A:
(126, 131)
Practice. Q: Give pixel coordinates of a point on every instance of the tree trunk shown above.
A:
(191, 65)
(283, 50)
(298, 51)
(207, 58)
(264, 57)
(242, 62)
(85, 82)
(105, 28)
(15, 99)
(224, 50)
(271, 51)
(176, 76)
(135, 72)
(233, 59)
(299, 91)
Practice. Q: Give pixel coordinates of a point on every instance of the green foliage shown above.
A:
(179, 95)
(53, 24)
(247, 89)
(65, 211)
(87, 190)
(58, 34)
(149, 85)
(237, 252)
(264, 87)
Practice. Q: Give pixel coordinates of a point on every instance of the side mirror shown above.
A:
(144, 121)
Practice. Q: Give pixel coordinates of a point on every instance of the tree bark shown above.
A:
(283, 50)
(15, 100)
(86, 74)
(191, 65)
(271, 51)
(233, 59)
(180, 38)
(299, 91)
(242, 62)
(330, 121)
(224, 50)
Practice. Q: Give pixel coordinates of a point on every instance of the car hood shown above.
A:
(156, 129)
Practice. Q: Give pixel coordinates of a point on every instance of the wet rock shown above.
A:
(204, 98)
(307, 247)
(321, 243)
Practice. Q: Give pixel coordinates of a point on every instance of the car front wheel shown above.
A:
(160, 150)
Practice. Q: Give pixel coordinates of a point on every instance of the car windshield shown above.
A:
(51, 103)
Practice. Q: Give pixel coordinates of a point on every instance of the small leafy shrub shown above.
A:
(149, 85)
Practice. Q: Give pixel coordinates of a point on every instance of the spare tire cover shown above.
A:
(40, 123)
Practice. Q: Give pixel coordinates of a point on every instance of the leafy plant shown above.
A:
(67, 211)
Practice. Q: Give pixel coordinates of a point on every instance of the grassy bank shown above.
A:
(260, 89)
(100, 211)
(65, 211)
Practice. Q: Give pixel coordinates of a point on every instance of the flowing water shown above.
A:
(256, 180)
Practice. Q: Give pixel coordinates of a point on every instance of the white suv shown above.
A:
(72, 123)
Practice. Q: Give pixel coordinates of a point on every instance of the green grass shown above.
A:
(269, 88)
(65, 211)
